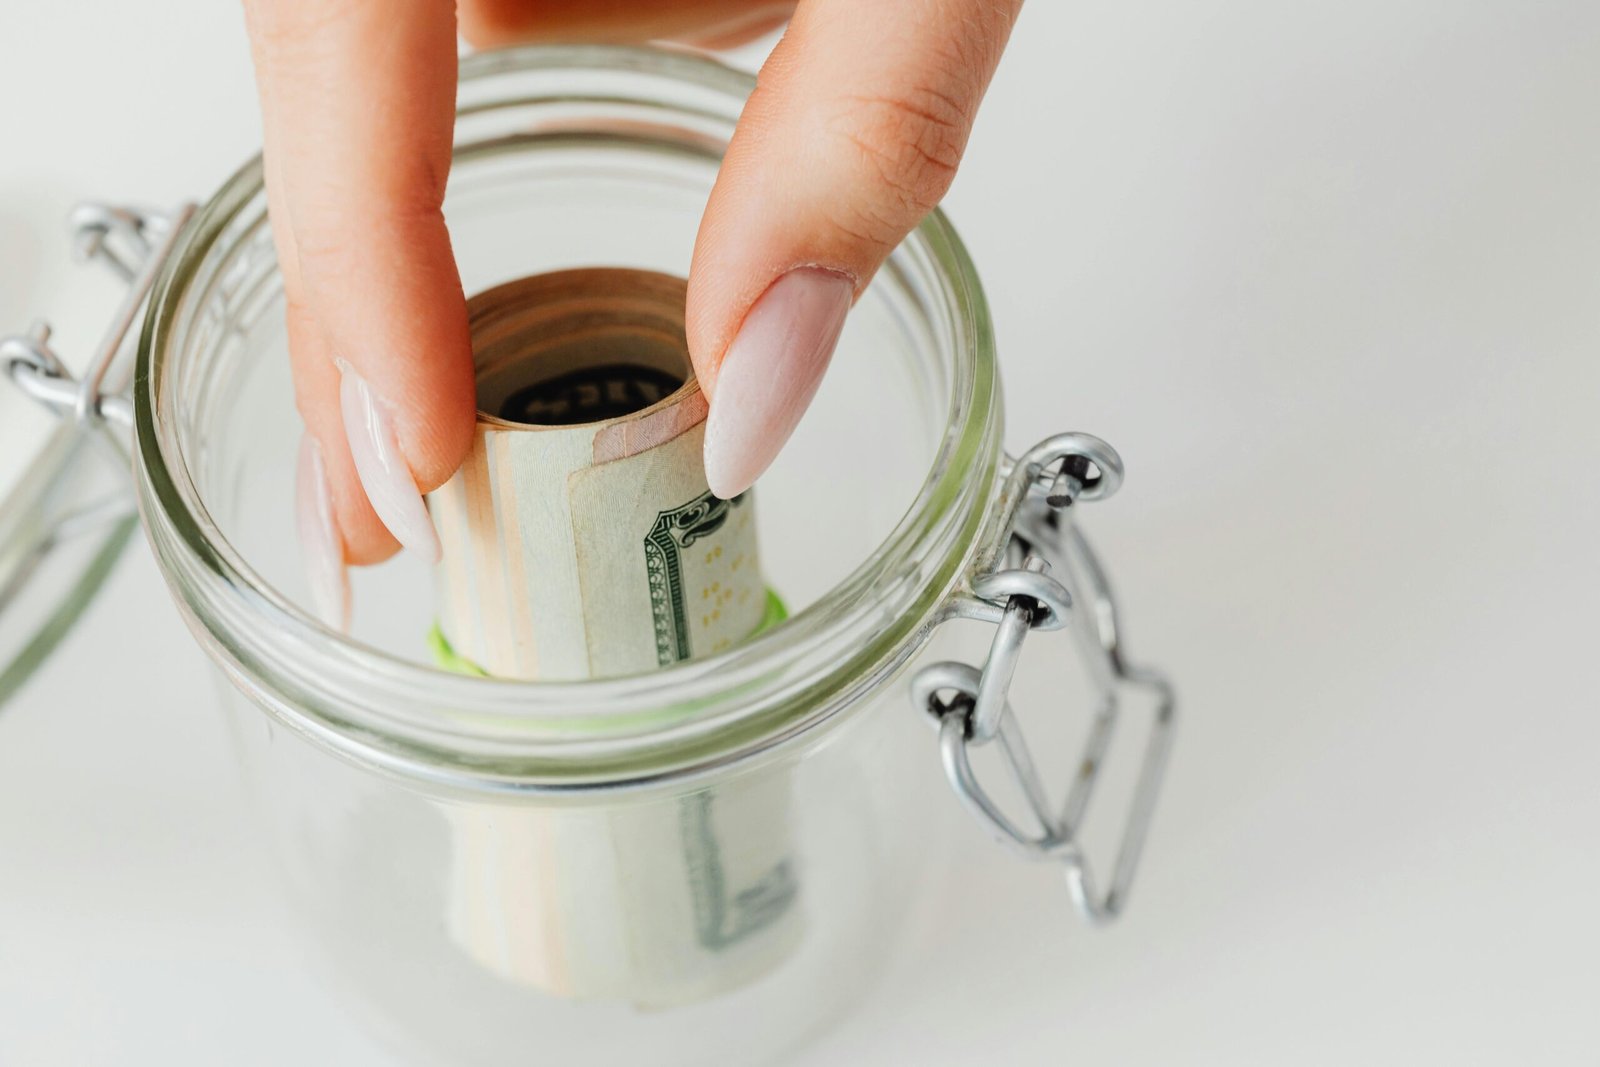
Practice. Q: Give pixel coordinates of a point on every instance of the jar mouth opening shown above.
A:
(385, 709)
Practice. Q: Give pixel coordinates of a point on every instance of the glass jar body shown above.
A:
(723, 920)
(703, 864)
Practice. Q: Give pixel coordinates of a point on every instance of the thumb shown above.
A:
(852, 136)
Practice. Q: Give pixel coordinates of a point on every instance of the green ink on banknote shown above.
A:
(674, 531)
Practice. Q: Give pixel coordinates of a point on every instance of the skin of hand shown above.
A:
(852, 136)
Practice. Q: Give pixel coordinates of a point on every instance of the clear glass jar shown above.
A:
(706, 863)
(426, 822)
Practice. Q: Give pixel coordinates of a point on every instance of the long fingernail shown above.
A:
(771, 372)
(320, 544)
(382, 468)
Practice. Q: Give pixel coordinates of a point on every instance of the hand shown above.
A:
(851, 137)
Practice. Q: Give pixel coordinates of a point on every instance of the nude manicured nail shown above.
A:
(770, 373)
(382, 468)
(321, 548)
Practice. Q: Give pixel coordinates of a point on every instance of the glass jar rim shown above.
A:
(499, 734)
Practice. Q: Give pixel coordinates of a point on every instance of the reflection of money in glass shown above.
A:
(723, 917)
(580, 541)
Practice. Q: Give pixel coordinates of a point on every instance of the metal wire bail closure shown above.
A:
(1039, 569)
(134, 244)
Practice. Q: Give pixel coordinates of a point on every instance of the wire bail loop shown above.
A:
(1039, 570)
(134, 244)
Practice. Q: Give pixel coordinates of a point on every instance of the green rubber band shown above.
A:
(776, 612)
(447, 658)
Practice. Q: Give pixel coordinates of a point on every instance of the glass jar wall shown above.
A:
(723, 921)
(699, 865)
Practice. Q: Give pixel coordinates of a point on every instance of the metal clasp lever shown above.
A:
(134, 244)
(1042, 575)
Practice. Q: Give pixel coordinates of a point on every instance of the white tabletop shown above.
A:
(1325, 273)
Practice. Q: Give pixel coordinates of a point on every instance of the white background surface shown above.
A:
(1325, 272)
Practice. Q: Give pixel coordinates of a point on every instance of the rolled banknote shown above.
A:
(581, 541)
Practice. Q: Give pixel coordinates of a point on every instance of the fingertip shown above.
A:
(361, 534)
(725, 476)
(770, 374)
(365, 538)
(437, 438)
(382, 468)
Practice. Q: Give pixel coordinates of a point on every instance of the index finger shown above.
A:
(358, 104)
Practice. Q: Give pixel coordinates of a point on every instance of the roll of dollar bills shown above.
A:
(581, 541)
